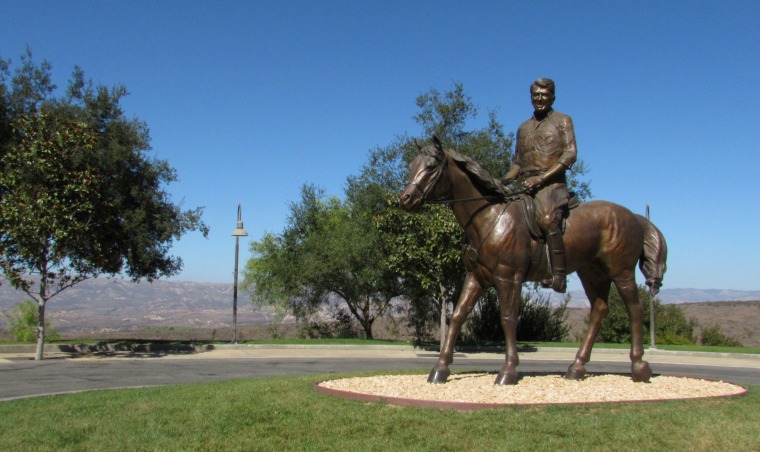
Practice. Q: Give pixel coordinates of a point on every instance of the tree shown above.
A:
(425, 252)
(78, 196)
(327, 250)
(425, 249)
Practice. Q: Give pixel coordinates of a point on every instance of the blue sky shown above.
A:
(249, 100)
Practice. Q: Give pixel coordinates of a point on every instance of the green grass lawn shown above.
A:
(287, 414)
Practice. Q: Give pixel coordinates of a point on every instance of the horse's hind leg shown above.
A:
(596, 284)
(629, 292)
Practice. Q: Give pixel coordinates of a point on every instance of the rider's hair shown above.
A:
(543, 82)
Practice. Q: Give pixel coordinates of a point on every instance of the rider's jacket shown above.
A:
(542, 144)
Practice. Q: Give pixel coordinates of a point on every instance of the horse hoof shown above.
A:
(641, 372)
(576, 373)
(438, 376)
(506, 378)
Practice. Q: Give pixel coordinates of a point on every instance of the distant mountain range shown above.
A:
(114, 304)
(678, 296)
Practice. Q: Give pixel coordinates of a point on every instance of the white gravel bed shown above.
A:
(550, 389)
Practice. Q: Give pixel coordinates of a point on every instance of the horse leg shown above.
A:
(626, 286)
(509, 293)
(597, 288)
(470, 293)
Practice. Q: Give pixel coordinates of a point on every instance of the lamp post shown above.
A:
(237, 233)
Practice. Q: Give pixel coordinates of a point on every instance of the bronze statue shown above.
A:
(545, 150)
(603, 242)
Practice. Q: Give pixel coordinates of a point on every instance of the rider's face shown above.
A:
(542, 99)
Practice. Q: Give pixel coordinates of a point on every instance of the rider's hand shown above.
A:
(532, 183)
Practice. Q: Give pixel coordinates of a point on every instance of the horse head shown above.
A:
(425, 173)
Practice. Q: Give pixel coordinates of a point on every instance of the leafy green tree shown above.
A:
(79, 198)
(327, 250)
(23, 322)
(425, 249)
(425, 252)
(670, 322)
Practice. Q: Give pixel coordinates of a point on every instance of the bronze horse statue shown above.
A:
(604, 243)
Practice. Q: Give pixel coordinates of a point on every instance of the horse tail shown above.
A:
(654, 255)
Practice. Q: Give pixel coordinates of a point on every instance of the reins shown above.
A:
(507, 198)
(452, 201)
(513, 195)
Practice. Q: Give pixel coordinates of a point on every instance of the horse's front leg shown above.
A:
(509, 306)
(470, 293)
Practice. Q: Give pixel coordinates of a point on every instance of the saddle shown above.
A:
(528, 205)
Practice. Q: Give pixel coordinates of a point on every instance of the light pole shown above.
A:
(237, 233)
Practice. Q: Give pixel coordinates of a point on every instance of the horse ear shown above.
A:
(437, 142)
(438, 147)
(418, 143)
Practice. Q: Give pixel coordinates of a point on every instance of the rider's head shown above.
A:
(542, 95)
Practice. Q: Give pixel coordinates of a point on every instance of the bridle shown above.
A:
(442, 167)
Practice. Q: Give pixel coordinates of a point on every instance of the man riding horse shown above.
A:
(545, 151)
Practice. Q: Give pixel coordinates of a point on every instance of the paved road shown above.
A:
(22, 377)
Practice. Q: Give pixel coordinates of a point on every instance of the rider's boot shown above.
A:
(556, 244)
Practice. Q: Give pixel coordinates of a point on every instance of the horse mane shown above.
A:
(482, 179)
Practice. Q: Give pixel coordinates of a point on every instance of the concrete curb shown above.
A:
(179, 347)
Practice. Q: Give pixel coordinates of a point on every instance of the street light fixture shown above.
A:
(237, 233)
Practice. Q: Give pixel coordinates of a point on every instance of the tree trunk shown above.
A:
(41, 299)
(40, 330)
(367, 329)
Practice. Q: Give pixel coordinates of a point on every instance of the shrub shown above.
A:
(670, 322)
(538, 320)
(484, 322)
(713, 335)
(23, 322)
(340, 326)
(541, 321)
(671, 325)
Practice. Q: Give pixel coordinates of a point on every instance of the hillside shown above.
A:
(114, 304)
(738, 319)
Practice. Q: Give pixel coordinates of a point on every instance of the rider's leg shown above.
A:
(553, 203)
(557, 252)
